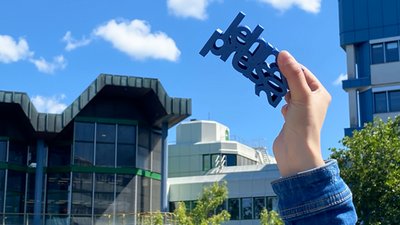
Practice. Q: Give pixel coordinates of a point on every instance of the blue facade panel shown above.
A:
(366, 107)
(362, 20)
(375, 16)
(360, 15)
(389, 12)
(363, 60)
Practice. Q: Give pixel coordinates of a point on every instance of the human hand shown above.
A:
(297, 147)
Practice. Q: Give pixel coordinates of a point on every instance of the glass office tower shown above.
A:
(99, 162)
(370, 35)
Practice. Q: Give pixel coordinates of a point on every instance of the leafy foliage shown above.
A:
(270, 218)
(370, 165)
(204, 212)
(155, 218)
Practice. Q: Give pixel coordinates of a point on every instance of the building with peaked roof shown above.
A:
(370, 35)
(101, 161)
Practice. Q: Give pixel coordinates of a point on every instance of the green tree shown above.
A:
(206, 206)
(370, 165)
(270, 218)
(153, 218)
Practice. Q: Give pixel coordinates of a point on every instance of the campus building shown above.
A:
(370, 34)
(204, 154)
(101, 161)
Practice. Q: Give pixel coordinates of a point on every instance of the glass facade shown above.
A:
(98, 176)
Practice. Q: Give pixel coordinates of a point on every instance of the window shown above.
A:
(125, 193)
(156, 145)
(394, 101)
(247, 208)
(156, 195)
(143, 153)
(234, 208)
(105, 145)
(387, 101)
(220, 208)
(209, 160)
(109, 139)
(272, 203)
(385, 52)
(83, 153)
(15, 196)
(59, 155)
(82, 186)
(143, 194)
(392, 51)
(259, 204)
(103, 194)
(17, 153)
(84, 131)
(84, 143)
(3, 151)
(2, 181)
(57, 193)
(231, 160)
(377, 53)
(105, 154)
(206, 162)
(380, 102)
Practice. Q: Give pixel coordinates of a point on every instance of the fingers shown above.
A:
(312, 81)
(284, 110)
(294, 74)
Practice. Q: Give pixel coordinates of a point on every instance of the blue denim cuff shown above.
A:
(311, 192)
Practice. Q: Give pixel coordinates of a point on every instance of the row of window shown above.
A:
(16, 153)
(387, 101)
(385, 52)
(108, 145)
(240, 208)
(211, 160)
(91, 195)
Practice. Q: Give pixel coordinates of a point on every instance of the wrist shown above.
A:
(298, 156)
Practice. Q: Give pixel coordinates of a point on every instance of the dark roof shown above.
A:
(174, 109)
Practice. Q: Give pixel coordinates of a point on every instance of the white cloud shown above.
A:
(135, 39)
(339, 80)
(51, 104)
(312, 6)
(13, 51)
(44, 66)
(188, 8)
(72, 43)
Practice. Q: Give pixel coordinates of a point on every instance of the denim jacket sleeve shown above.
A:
(316, 196)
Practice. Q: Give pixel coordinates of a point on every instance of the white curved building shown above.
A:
(204, 154)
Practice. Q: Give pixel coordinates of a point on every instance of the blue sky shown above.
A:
(53, 50)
